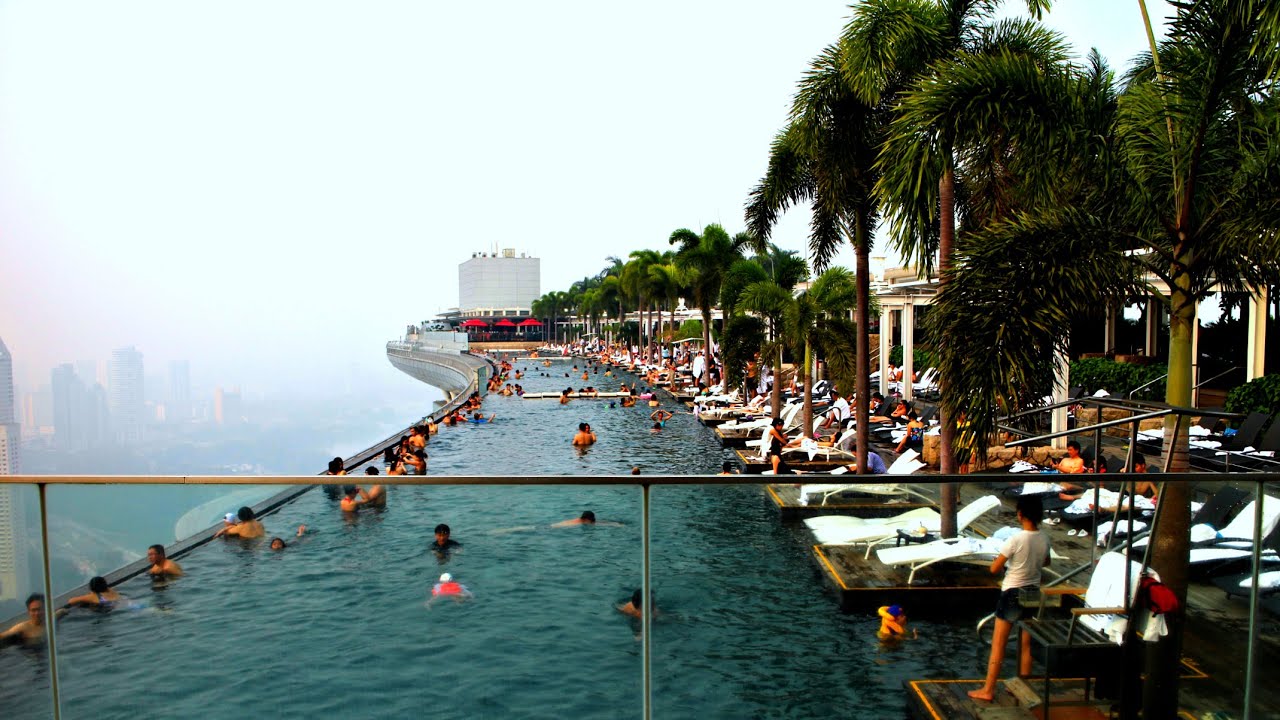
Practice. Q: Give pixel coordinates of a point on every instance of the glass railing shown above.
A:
(543, 621)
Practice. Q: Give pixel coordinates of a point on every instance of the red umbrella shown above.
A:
(475, 322)
(530, 322)
(504, 323)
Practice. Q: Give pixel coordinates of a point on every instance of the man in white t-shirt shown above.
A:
(1021, 557)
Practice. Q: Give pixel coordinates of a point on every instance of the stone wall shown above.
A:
(998, 456)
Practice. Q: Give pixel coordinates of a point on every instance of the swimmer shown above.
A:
(728, 468)
(586, 518)
(377, 493)
(161, 566)
(635, 606)
(628, 401)
(353, 497)
(248, 527)
(450, 588)
(443, 546)
(280, 544)
(893, 623)
(30, 631)
(100, 596)
(584, 436)
(635, 470)
(660, 417)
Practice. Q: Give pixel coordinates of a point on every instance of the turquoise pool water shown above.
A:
(337, 623)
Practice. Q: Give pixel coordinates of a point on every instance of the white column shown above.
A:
(1255, 362)
(908, 346)
(886, 339)
(1061, 381)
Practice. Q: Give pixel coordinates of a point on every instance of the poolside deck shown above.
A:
(752, 465)
(786, 498)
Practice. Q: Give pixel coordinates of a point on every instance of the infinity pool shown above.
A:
(338, 623)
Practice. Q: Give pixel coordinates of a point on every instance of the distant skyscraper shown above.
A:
(7, 404)
(178, 408)
(499, 285)
(226, 406)
(13, 559)
(69, 400)
(125, 394)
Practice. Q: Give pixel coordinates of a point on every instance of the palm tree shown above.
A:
(825, 156)
(817, 323)
(665, 284)
(771, 301)
(635, 277)
(1182, 171)
(889, 48)
(706, 258)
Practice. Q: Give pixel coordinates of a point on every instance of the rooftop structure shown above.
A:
(498, 284)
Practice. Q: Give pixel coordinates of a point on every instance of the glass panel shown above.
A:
(748, 624)
(345, 612)
(25, 688)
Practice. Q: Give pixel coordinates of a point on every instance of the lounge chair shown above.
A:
(1241, 585)
(906, 464)
(847, 530)
(1089, 643)
(960, 549)
(1235, 541)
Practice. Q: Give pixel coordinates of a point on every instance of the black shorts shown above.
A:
(1008, 607)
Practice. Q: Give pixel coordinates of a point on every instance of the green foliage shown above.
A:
(690, 328)
(1096, 374)
(743, 336)
(1258, 395)
(921, 358)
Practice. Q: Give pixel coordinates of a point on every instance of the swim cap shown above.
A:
(230, 517)
(895, 610)
(446, 577)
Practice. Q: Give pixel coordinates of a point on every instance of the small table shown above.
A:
(913, 539)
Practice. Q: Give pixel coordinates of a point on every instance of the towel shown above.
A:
(1104, 530)
(1156, 627)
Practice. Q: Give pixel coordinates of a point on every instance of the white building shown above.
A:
(498, 284)
(125, 398)
(13, 559)
(7, 405)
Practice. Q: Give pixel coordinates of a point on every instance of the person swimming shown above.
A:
(893, 623)
(447, 587)
(100, 596)
(586, 518)
(280, 544)
(635, 607)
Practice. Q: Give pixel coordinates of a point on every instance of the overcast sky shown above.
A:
(245, 183)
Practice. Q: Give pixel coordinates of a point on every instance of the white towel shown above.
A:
(1156, 627)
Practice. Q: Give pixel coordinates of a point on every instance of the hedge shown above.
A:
(1258, 395)
(1096, 374)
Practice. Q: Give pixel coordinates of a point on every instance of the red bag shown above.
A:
(1158, 596)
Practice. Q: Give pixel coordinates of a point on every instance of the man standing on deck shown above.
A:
(697, 368)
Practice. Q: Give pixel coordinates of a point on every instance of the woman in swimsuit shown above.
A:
(777, 441)
(100, 596)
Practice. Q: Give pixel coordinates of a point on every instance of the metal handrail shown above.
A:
(42, 482)
(1146, 385)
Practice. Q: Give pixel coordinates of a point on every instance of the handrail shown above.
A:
(1146, 385)
(42, 482)
(1202, 383)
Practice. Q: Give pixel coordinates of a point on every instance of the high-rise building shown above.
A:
(125, 394)
(226, 406)
(13, 557)
(178, 406)
(7, 404)
(69, 409)
(498, 285)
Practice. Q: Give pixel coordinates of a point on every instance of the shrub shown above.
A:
(922, 359)
(1096, 374)
(1258, 395)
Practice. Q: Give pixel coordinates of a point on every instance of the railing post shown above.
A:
(646, 609)
(49, 611)
(1249, 676)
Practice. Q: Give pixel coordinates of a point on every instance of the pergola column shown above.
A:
(1255, 363)
(1195, 354)
(886, 341)
(1061, 379)
(908, 346)
(1109, 329)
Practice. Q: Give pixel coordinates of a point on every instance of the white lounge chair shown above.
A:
(847, 530)
(906, 464)
(960, 549)
(1235, 541)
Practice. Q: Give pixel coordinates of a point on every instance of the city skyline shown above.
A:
(223, 220)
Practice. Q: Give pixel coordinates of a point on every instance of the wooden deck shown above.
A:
(786, 498)
(752, 465)
(1015, 700)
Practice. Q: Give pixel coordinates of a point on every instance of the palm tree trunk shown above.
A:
(862, 362)
(946, 239)
(808, 390)
(1170, 546)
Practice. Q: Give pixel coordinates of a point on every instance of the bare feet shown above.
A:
(982, 695)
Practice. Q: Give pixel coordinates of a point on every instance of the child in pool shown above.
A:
(893, 623)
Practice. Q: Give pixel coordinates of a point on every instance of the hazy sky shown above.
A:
(273, 189)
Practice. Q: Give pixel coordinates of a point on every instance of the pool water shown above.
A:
(338, 622)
